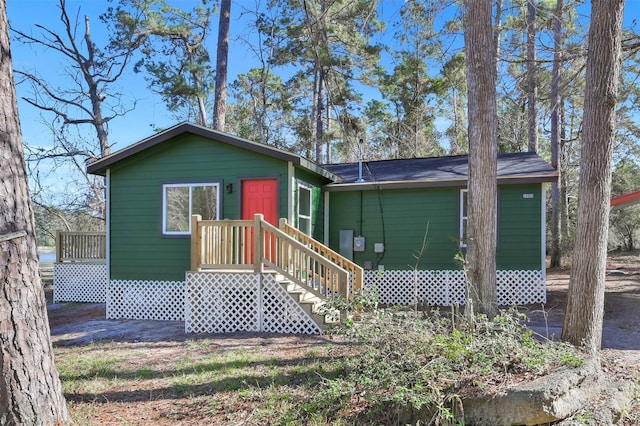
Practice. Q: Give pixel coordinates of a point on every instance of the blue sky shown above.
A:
(24, 14)
(150, 110)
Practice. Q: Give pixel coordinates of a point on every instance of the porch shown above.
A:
(252, 276)
(245, 275)
(248, 275)
(80, 268)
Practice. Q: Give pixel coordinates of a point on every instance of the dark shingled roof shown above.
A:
(439, 171)
(406, 173)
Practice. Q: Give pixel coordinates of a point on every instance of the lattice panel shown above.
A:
(521, 287)
(225, 303)
(396, 287)
(149, 300)
(444, 288)
(80, 282)
(222, 303)
(281, 313)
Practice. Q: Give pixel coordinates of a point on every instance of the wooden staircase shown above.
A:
(308, 270)
(310, 303)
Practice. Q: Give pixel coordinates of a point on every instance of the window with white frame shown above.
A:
(463, 218)
(305, 210)
(180, 201)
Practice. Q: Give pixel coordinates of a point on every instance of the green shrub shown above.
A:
(416, 366)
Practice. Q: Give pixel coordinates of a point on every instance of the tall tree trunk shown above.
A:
(483, 148)
(30, 389)
(319, 106)
(532, 90)
(565, 232)
(556, 236)
(497, 31)
(585, 301)
(220, 103)
(96, 97)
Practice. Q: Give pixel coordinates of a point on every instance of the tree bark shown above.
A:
(585, 301)
(556, 235)
(318, 88)
(532, 90)
(483, 147)
(563, 161)
(497, 32)
(220, 102)
(96, 97)
(30, 388)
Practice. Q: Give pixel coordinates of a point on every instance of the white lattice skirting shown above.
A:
(446, 288)
(225, 303)
(147, 300)
(80, 282)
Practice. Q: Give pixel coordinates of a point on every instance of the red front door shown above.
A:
(260, 196)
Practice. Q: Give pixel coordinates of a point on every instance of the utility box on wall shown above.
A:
(358, 244)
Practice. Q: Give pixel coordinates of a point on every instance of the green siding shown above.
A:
(520, 227)
(409, 213)
(316, 182)
(138, 249)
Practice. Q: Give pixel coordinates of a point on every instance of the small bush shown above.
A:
(417, 366)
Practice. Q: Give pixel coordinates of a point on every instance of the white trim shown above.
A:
(305, 186)
(189, 185)
(461, 218)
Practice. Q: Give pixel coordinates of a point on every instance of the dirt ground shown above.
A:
(81, 324)
(621, 328)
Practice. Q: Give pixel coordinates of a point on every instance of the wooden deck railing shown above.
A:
(81, 246)
(255, 245)
(355, 271)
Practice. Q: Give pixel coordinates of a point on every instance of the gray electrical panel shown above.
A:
(346, 243)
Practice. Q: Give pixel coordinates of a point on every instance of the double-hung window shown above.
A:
(180, 201)
(304, 208)
(463, 218)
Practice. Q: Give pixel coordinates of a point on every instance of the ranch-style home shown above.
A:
(232, 235)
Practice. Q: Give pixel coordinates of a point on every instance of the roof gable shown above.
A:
(100, 166)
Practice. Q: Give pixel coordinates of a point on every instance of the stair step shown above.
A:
(308, 301)
(309, 307)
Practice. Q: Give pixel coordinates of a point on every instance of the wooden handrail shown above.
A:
(356, 272)
(254, 244)
(323, 277)
(73, 246)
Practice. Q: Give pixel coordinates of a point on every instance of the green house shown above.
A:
(154, 186)
(376, 214)
(412, 216)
